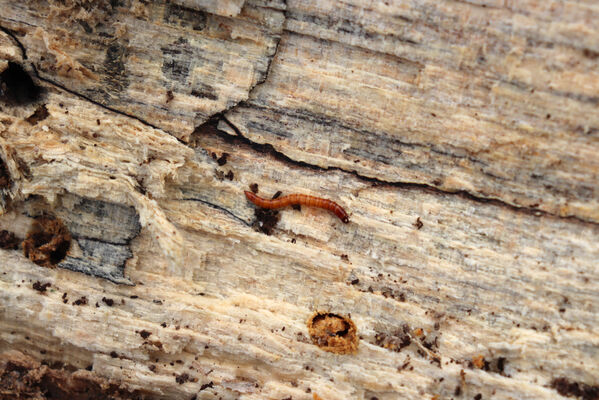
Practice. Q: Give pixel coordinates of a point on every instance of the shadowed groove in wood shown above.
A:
(267, 148)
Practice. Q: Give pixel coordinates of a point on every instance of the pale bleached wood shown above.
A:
(229, 306)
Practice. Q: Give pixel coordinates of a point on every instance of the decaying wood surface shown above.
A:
(461, 137)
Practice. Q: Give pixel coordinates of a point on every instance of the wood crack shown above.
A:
(74, 93)
(217, 207)
(268, 148)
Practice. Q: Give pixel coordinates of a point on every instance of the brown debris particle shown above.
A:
(108, 302)
(254, 187)
(41, 287)
(40, 114)
(500, 363)
(8, 240)
(21, 377)
(395, 341)
(590, 54)
(478, 361)
(80, 301)
(266, 220)
(169, 96)
(145, 334)
(404, 366)
(230, 175)
(418, 224)
(47, 243)
(181, 379)
(333, 333)
(566, 387)
(394, 294)
(222, 160)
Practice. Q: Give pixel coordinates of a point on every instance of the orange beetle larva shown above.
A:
(302, 199)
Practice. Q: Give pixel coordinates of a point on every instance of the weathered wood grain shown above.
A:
(501, 101)
(167, 64)
(452, 295)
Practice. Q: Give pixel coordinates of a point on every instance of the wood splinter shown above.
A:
(302, 199)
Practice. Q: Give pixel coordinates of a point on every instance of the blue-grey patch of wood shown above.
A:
(103, 221)
(103, 231)
(100, 259)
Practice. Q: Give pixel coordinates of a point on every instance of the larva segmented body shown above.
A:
(303, 199)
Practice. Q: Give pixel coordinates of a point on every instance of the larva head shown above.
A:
(250, 196)
(340, 212)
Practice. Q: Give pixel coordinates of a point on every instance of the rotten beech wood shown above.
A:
(461, 137)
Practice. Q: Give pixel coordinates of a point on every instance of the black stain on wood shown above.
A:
(204, 91)
(177, 60)
(177, 15)
(115, 72)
